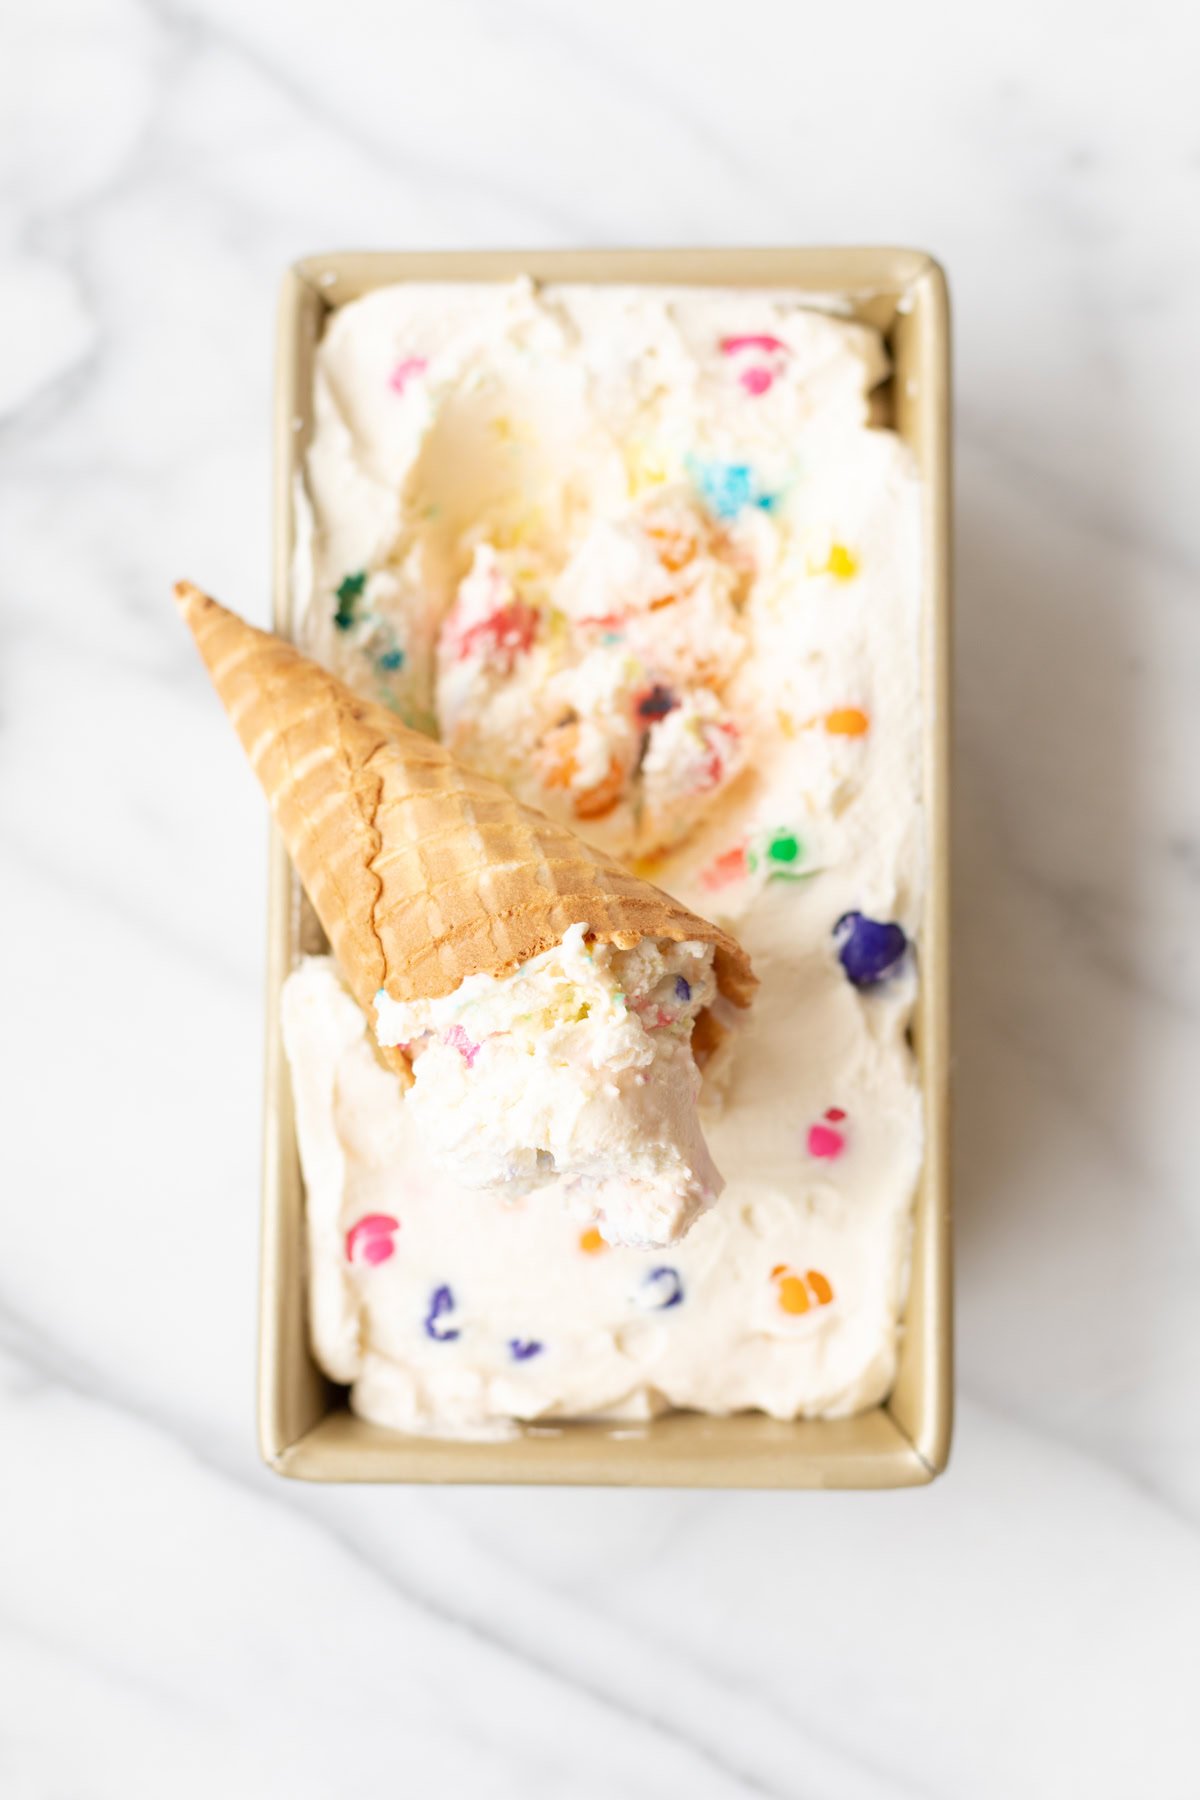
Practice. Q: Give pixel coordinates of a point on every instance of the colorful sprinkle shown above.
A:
(683, 988)
(835, 1113)
(731, 865)
(591, 1242)
(369, 1239)
(825, 1143)
(655, 703)
(755, 340)
(847, 721)
(441, 1301)
(727, 488)
(792, 1294)
(869, 950)
(505, 634)
(391, 660)
(756, 380)
(784, 847)
(405, 371)
(841, 563)
(349, 592)
(819, 1287)
(521, 1349)
(798, 1293)
(457, 1039)
(663, 1287)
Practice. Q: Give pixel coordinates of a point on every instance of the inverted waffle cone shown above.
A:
(420, 871)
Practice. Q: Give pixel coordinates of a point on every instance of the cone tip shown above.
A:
(188, 598)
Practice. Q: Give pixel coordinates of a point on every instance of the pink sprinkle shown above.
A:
(753, 341)
(504, 635)
(835, 1113)
(457, 1039)
(756, 381)
(825, 1142)
(405, 371)
(729, 866)
(370, 1238)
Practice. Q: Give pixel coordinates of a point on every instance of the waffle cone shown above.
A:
(420, 871)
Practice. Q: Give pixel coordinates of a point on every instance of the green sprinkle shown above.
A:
(784, 848)
(348, 592)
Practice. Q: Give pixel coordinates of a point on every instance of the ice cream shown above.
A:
(577, 1068)
(642, 556)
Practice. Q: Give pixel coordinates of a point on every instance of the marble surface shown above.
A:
(173, 1620)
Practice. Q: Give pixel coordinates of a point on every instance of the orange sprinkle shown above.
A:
(847, 721)
(818, 1287)
(674, 549)
(604, 796)
(793, 1295)
(590, 1242)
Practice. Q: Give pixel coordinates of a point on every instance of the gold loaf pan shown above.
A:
(306, 1429)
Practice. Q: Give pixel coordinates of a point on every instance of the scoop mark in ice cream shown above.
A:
(441, 1301)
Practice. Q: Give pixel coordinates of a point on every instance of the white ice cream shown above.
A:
(641, 555)
(578, 1069)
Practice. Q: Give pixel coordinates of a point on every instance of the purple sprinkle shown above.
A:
(683, 989)
(656, 703)
(523, 1348)
(663, 1287)
(869, 950)
(440, 1301)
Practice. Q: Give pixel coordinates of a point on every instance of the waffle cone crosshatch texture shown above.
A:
(305, 1427)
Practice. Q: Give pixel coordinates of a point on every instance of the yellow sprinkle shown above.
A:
(786, 724)
(644, 468)
(842, 564)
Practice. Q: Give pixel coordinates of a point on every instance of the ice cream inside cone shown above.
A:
(538, 998)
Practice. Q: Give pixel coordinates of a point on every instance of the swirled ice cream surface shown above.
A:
(641, 555)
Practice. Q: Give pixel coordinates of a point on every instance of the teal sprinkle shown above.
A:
(348, 592)
(728, 487)
(611, 637)
(392, 659)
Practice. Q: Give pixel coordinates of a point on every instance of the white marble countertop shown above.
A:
(174, 1620)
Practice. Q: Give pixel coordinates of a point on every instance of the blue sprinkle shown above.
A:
(683, 989)
(662, 1287)
(727, 487)
(440, 1301)
(869, 950)
(523, 1348)
(392, 659)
